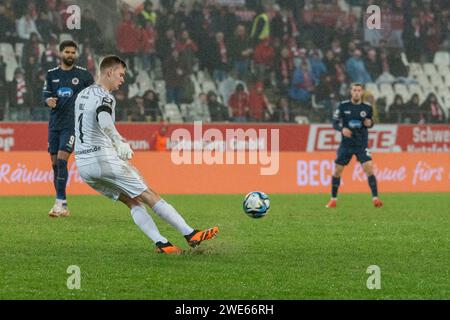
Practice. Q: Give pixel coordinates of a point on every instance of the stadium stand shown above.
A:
(320, 37)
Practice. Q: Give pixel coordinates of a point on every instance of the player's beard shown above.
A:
(68, 62)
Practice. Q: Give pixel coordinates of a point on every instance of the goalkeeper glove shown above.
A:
(124, 150)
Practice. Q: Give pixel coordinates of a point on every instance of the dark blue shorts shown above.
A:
(61, 140)
(345, 154)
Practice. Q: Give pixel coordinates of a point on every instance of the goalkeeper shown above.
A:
(102, 156)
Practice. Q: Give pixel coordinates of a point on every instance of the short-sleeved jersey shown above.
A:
(65, 85)
(90, 140)
(352, 116)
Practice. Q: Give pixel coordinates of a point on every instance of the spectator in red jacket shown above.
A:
(258, 103)
(187, 49)
(147, 48)
(284, 69)
(174, 72)
(127, 37)
(239, 104)
(264, 57)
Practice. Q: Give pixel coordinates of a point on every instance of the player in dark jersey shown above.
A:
(61, 88)
(353, 118)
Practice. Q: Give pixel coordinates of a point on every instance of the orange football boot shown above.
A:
(377, 203)
(196, 237)
(331, 204)
(167, 248)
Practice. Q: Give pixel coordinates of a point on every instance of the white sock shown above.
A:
(168, 213)
(146, 224)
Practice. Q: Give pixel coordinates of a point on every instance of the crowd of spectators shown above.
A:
(268, 63)
(33, 29)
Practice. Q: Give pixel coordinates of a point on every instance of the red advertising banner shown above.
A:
(30, 173)
(434, 138)
(32, 136)
(387, 138)
(22, 136)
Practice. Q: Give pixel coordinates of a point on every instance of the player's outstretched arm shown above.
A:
(106, 123)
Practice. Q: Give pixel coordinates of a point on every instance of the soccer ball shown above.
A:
(256, 204)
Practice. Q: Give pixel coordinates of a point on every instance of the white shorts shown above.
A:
(112, 177)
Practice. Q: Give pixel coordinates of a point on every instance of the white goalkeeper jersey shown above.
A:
(90, 140)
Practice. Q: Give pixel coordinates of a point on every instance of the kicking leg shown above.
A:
(145, 222)
(165, 211)
(169, 214)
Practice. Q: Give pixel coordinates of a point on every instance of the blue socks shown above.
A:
(372, 180)
(55, 176)
(61, 179)
(373, 185)
(335, 182)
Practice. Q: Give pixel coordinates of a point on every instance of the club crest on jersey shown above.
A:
(65, 92)
(363, 114)
(75, 81)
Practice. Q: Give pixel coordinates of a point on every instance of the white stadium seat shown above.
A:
(172, 113)
(415, 69)
(301, 120)
(19, 50)
(385, 89)
(373, 87)
(196, 85)
(444, 70)
(208, 86)
(428, 88)
(160, 85)
(133, 90)
(447, 80)
(436, 80)
(160, 88)
(388, 95)
(415, 88)
(446, 103)
(441, 58)
(444, 91)
(184, 108)
(429, 69)
(144, 82)
(402, 90)
(422, 79)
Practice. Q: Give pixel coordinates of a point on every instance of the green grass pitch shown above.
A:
(300, 250)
